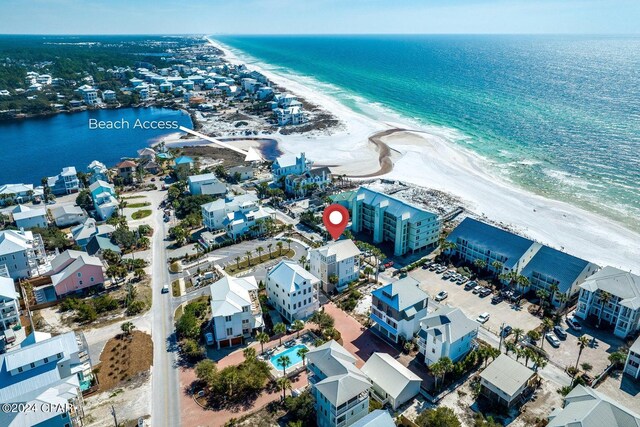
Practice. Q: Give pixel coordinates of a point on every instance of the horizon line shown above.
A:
(312, 34)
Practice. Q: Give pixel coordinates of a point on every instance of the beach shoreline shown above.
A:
(429, 160)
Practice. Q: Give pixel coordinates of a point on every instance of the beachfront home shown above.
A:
(340, 389)
(446, 332)
(146, 154)
(264, 93)
(47, 374)
(235, 310)
(21, 252)
(182, 166)
(126, 171)
(85, 231)
(238, 215)
(336, 264)
(611, 296)
(584, 406)
(67, 215)
(377, 418)
(165, 87)
(104, 199)
(98, 172)
(108, 96)
(207, 183)
(9, 306)
(397, 308)
(18, 193)
(632, 364)
(73, 271)
(289, 116)
(289, 164)
(89, 94)
(97, 245)
(240, 173)
(301, 185)
(505, 381)
(66, 182)
(388, 219)
(292, 290)
(392, 383)
(26, 217)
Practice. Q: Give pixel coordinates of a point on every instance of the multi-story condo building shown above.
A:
(9, 307)
(235, 310)
(632, 364)
(336, 264)
(54, 370)
(238, 215)
(292, 290)
(21, 252)
(340, 389)
(584, 406)
(611, 296)
(290, 164)
(446, 332)
(388, 219)
(66, 182)
(396, 309)
(502, 252)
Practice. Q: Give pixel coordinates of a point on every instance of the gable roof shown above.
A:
(377, 418)
(126, 164)
(622, 284)
(183, 160)
(8, 288)
(29, 213)
(448, 321)
(67, 263)
(506, 374)
(342, 249)
(395, 207)
(203, 177)
(400, 295)
(388, 374)
(12, 241)
(66, 210)
(558, 265)
(509, 245)
(230, 294)
(290, 275)
(101, 243)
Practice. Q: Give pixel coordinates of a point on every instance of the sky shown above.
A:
(319, 16)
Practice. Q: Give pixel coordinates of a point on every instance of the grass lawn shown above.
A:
(133, 197)
(175, 288)
(138, 205)
(123, 358)
(143, 213)
(233, 268)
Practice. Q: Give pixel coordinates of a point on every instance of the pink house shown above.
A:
(75, 270)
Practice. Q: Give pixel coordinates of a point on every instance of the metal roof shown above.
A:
(558, 265)
(342, 249)
(448, 321)
(377, 418)
(621, 284)
(388, 374)
(291, 276)
(506, 374)
(401, 295)
(230, 294)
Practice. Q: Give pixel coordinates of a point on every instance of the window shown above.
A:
(80, 282)
(79, 274)
(46, 360)
(229, 331)
(227, 318)
(33, 365)
(20, 369)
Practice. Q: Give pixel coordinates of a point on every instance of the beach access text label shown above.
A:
(138, 124)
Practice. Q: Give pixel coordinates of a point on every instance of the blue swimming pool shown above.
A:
(291, 352)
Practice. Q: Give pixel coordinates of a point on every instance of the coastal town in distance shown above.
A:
(185, 277)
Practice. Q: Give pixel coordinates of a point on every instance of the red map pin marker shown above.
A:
(335, 218)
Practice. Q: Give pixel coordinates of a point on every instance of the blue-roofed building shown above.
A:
(183, 165)
(551, 267)
(397, 308)
(388, 219)
(475, 239)
(45, 369)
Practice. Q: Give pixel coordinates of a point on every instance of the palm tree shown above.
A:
(497, 265)
(302, 354)
(617, 358)
(279, 329)
(441, 368)
(539, 362)
(517, 334)
(269, 246)
(445, 245)
(259, 249)
(547, 325)
(248, 255)
(262, 338)
(490, 353)
(543, 295)
(528, 354)
(284, 361)
(284, 383)
(238, 262)
(553, 292)
(582, 343)
(279, 245)
(509, 346)
(297, 326)
(288, 243)
(249, 353)
(480, 263)
(522, 282)
(605, 297)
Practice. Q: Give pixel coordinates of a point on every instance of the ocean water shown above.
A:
(39, 147)
(557, 115)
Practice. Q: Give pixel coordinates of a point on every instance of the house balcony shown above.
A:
(349, 405)
(383, 323)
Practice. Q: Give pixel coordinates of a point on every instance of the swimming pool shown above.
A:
(291, 352)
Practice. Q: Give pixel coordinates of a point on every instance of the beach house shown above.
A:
(584, 406)
(146, 154)
(21, 253)
(301, 185)
(104, 199)
(336, 264)
(397, 308)
(292, 290)
(18, 193)
(632, 364)
(26, 217)
(89, 94)
(611, 296)
(392, 383)
(238, 215)
(126, 171)
(388, 219)
(182, 166)
(108, 96)
(505, 381)
(289, 164)
(45, 369)
(64, 216)
(66, 182)
(98, 172)
(446, 332)
(240, 173)
(9, 305)
(340, 389)
(235, 310)
(85, 231)
(289, 116)
(377, 418)
(97, 246)
(73, 271)
(207, 183)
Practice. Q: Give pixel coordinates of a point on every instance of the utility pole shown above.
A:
(115, 419)
(501, 335)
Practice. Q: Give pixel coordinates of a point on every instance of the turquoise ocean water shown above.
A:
(557, 115)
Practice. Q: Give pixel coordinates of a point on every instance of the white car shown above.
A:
(574, 324)
(442, 295)
(165, 289)
(483, 318)
(553, 340)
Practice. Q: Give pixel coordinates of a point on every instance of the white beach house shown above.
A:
(446, 332)
(21, 253)
(393, 383)
(336, 264)
(9, 306)
(292, 290)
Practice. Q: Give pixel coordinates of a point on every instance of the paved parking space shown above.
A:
(473, 305)
(623, 389)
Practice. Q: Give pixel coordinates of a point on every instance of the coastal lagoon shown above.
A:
(37, 147)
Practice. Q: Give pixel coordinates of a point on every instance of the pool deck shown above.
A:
(306, 339)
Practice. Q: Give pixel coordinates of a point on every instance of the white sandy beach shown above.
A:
(432, 161)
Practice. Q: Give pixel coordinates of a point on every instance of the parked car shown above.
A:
(560, 332)
(497, 299)
(483, 318)
(477, 289)
(470, 285)
(462, 279)
(442, 295)
(165, 288)
(454, 277)
(574, 324)
(553, 340)
(506, 331)
(434, 267)
(588, 379)
(446, 276)
(208, 337)
(484, 292)
(442, 269)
